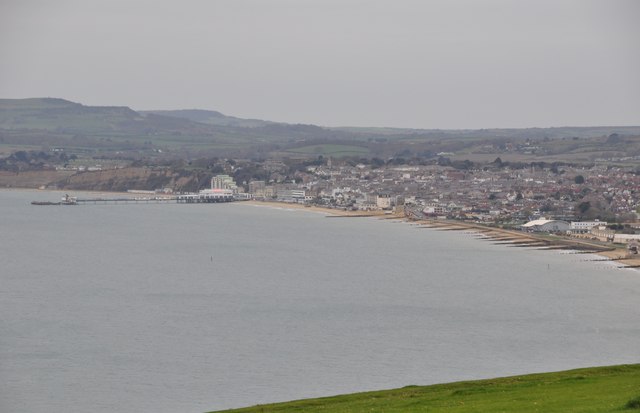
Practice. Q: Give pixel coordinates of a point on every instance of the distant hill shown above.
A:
(35, 103)
(185, 133)
(50, 122)
(511, 133)
(64, 116)
(210, 117)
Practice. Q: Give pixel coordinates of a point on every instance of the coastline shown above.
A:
(513, 238)
(492, 234)
(330, 211)
(497, 235)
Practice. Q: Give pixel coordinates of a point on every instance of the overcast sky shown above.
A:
(421, 64)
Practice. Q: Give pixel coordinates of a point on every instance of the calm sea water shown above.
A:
(188, 308)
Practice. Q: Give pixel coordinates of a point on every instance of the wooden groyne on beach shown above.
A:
(511, 238)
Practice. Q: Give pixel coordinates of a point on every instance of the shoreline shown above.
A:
(502, 236)
(330, 211)
(610, 253)
(497, 235)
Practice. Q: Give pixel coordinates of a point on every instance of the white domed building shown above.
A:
(546, 225)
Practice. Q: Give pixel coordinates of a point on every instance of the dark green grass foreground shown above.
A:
(598, 389)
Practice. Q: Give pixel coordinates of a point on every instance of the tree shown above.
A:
(377, 163)
(583, 207)
(442, 161)
(21, 156)
(579, 179)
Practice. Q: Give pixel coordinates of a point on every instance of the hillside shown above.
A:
(601, 389)
(59, 115)
(210, 117)
(119, 131)
(32, 123)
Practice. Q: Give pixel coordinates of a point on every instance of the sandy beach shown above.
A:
(329, 211)
(542, 241)
(497, 235)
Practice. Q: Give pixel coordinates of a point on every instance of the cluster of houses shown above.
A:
(562, 200)
(485, 194)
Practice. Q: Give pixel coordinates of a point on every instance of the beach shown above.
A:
(497, 235)
(330, 211)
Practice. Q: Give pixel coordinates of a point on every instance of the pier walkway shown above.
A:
(150, 200)
(206, 196)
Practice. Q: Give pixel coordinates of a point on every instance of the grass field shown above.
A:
(600, 389)
(331, 150)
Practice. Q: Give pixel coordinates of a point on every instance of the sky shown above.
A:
(445, 64)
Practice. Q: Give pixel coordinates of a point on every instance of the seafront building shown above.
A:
(223, 189)
(581, 227)
(546, 225)
(223, 182)
(258, 189)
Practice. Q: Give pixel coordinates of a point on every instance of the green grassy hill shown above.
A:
(600, 389)
(211, 117)
(335, 150)
(57, 114)
(51, 114)
(40, 123)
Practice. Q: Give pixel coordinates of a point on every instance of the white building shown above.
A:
(626, 238)
(256, 186)
(433, 208)
(291, 195)
(383, 201)
(585, 226)
(223, 182)
(546, 225)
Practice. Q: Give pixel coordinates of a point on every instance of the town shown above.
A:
(598, 201)
(501, 177)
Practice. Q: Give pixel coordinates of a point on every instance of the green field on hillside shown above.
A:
(599, 389)
(52, 122)
(336, 150)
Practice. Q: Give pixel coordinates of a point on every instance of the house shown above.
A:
(383, 201)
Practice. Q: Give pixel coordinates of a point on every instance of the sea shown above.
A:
(193, 308)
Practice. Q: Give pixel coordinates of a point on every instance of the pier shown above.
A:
(206, 196)
(104, 201)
